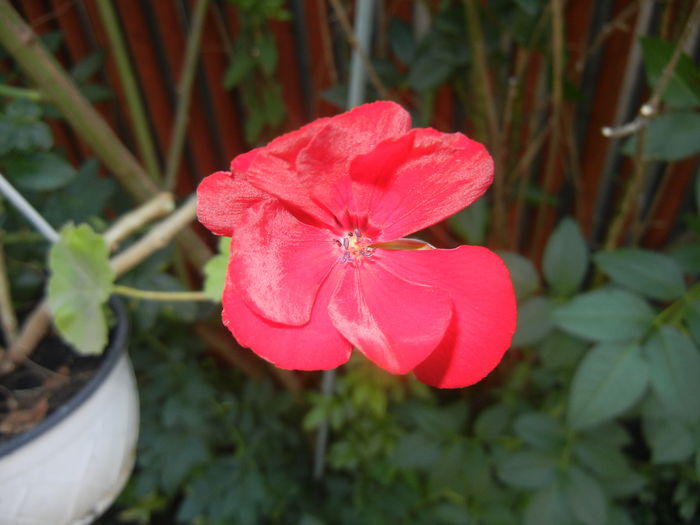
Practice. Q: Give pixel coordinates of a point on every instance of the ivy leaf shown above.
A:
(609, 380)
(674, 367)
(608, 314)
(565, 258)
(80, 284)
(215, 271)
(652, 274)
(267, 53)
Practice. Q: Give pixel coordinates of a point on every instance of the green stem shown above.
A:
(137, 112)
(154, 295)
(56, 85)
(189, 68)
(19, 92)
(676, 310)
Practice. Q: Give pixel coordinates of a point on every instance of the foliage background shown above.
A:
(594, 415)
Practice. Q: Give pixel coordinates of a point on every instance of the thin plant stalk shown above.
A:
(26, 209)
(480, 75)
(134, 103)
(556, 118)
(8, 321)
(189, 68)
(20, 92)
(159, 295)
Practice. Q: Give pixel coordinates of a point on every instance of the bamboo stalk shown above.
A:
(58, 88)
(137, 111)
(189, 68)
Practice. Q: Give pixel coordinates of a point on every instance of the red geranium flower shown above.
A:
(311, 275)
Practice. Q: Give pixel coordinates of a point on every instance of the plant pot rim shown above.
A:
(112, 353)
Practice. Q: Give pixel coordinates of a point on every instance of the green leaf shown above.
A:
(670, 137)
(470, 223)
(238, 69)
(267, 53)
(610, 379)
(87, 67)
(415, 450)
(492, 422)
(697, 462)
(534, 321)
(80, 284)
(683, 89)
(605, 315)
(401, 40)
(565, 258)
(549, 506)
(539, 430)
(692, 316)
(215, 271)
(522, 272)
(674, 367)
(561, 351)
(529, 469)
(585, 497)
(39, 171)
(688, 257)
(649, 273)
(670, 440)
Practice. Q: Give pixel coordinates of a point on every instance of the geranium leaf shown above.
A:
(652, 274)
(674, 367)
(215, 271)
(80, 284)
(609, 380)
(608, 314)
(565, 258)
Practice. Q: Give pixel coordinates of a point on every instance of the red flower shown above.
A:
(309, 279)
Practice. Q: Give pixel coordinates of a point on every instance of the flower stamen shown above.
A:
(355, 246)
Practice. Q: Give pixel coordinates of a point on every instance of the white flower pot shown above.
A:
(68, 469)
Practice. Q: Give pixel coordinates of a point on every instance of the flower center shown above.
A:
(354, 246)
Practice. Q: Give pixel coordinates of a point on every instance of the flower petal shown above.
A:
(484, 314)
(414, 181)
(222, 199)
(317, 345)
(394, 322)
(278, 263)
(323, 164)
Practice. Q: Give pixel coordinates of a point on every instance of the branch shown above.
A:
(651, 107)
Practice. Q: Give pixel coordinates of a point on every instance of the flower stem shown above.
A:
(155, 295)
(189, 68)
(8, 321)
(19, 92)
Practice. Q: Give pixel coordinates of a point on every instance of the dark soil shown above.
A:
(53, 375)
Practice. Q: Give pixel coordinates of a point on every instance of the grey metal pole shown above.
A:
(26, 209)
